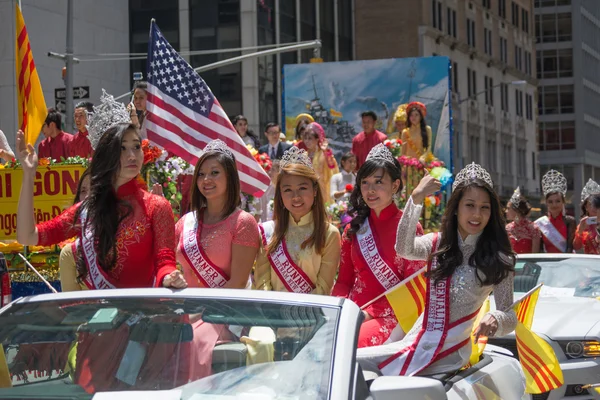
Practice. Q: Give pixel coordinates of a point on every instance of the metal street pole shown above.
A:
(69, 74)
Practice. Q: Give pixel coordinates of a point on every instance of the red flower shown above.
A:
(349, 188)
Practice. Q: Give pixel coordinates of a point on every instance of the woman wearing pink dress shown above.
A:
(217, 243)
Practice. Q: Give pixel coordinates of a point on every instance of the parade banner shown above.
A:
(334, 94)
(54, 189)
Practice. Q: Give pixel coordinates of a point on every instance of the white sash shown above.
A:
(437, 337)
(209, 274)
(368, 248)
(551, 233)
(95, 279)
(291, 275)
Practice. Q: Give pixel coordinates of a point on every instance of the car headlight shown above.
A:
(581, 348)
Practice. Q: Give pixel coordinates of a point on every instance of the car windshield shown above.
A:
(194, 348)
(561, 275)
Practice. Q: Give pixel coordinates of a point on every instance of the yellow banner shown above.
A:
(54, 190)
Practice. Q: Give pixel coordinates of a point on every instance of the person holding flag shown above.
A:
(468, 259)
(369, 264)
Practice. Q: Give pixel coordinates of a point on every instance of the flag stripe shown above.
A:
(24, 64)
(538, 368)
(544, 366)
(413, 293)
(162, 139)
(523, 309)
(531, 371)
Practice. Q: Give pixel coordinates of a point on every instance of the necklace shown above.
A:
(412, 145)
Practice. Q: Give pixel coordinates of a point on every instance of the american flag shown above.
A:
(184, 115)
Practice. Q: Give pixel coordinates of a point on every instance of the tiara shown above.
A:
(554, 182)
(106, 115)
(219, 146)
(591, 188)
(295, 155)
(380, 152)
(471, 172)
(516, 197)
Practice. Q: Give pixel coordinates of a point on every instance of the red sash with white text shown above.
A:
(208, 273)
(437, 337)
(370, 253)
(96, 278)
(291, 275)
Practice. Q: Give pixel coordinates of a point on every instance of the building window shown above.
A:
(553, 27)
(470, 32)
(471, 82)
(491, 155)
(436, 8)
(518, 58)
(308, 30)
(326, 17)
(519, 102)
(267, 97)
(474, 149)
(521, 163)
(504, 97)
(487, 41)
(529, 106)
(503, 50)
(533, 165)
(557, 135)
(525, 21)
(502, 9)
(345, 22)
(555, 63)
(528, 68)
(507, 159)
(489, 90)
(287, 32)
(486, 3)
(451, 22)
(555, 99)
(515, 14)
(455, 77)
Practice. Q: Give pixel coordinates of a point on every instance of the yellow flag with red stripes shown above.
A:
(477, 348)
(30, 97)
(537, 358)
(408, 299)
(5, 380)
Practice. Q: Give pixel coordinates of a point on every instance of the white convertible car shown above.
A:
(137, 344)
(567, 316)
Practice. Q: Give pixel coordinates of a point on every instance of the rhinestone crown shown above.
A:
(295, 155)
(471, 172)
(516, 197)
(219, 146)
(554, 182)
(380, 152)
(591, 188)
(106, 115)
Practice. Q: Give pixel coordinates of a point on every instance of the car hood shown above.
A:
(563, 317)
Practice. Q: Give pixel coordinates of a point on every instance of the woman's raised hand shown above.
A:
(26, 154)
(426, 187)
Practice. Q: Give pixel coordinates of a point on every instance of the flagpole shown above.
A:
(392, 289)
(525, 296)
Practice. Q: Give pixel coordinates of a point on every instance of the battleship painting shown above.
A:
(335, 94)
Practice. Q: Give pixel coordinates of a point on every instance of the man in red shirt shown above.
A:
(56, 144)
(367, 139)
(80, 143)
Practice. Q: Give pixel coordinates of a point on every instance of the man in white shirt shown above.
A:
(275, 148)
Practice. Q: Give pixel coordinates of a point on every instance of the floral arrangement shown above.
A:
(45, 162)
(339, 213)
(262, 159)
(250, 203)
(395, 146)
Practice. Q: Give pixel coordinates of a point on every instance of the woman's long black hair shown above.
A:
(493, 255)
(104, 210)
(424, 137)
(358, 207)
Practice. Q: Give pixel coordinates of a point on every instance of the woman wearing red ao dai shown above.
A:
(377, 219)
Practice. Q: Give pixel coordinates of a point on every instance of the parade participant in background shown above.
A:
(217, 243)
(56, 144)
(468, 259)
(80, 143)
(417, 137)
(275, 147)
(6, 153)
(587, 235)
(248, 136)
(118, 222)
(345, 177)
(558, 229)
(367, 139)
(265, 200)
(524, 236)
(301, 250)
(302, 120)
(323, 161)
(377, 217)
(137, 108)
(397, 124)
(66, 261)
(591, 188)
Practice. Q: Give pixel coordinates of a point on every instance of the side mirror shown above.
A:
(407, 388)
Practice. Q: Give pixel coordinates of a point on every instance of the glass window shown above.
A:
(327, 34)
(266, 65)
(157, 337)
(308, 29)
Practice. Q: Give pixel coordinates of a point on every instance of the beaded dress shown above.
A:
(466, 295)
